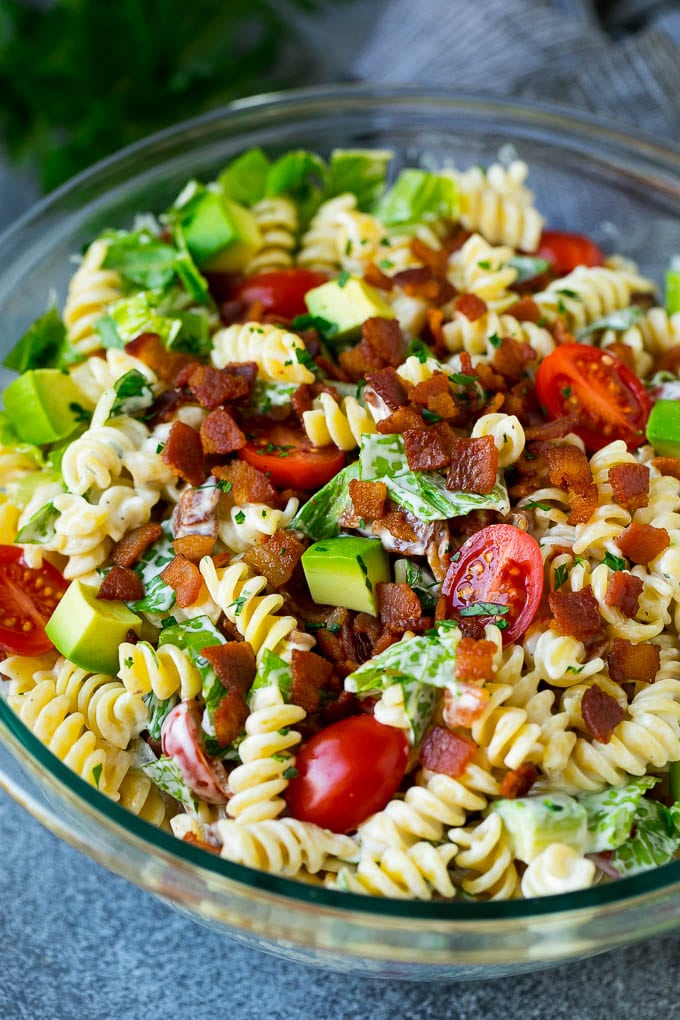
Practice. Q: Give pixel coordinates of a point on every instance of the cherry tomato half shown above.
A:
(288, 457)
(28, 597)
(346, 772)
(501, 565)
(567, 251)
(281, 291)
(607, 399)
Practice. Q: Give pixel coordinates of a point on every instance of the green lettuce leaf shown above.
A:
(159, 597)
(360, 171)
(166, 774)
(40, 528)
(318, 518)
(619, 320)
(272, 671)
(655, 839)
(43, 345)
(417, 195)
(419, 704)
(427, 658)
(528, 267)
(611, 813)
(158, 709)
(140, 258)
(133, 394)
(245, 179)
(108, 333)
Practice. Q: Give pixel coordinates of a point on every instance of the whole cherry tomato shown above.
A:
(281, 291)
(567, 251)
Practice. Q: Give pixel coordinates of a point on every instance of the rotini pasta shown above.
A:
(277, 220)
(91, 291)
(275, 351)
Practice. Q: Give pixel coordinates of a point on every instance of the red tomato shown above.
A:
(347, 772)
(288, 457)
(282, 291)
(567, 251)
(28, 598)
(502, 565)
(181, 739)
(607, 399)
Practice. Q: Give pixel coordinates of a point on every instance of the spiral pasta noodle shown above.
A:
(558, 869)
(497, 204)
(91, 291)
(588, 293)
(140, 796)
(479, 337)
(318, 247)
(277, 220)
(23, 672)
(284, 846)
(242, 527)
(110, 711)
(401, 874)
(485, 852)
(274, 351)
(341, 424)
(166, 670)
(507, 434)
(480, 268)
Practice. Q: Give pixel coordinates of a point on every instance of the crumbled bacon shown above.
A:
(184, 578)
(642, 543)
(132, 546)
(519, 781)
(166, 364)
(583, 504)
(385, 338)
(435, 386)
(630, 485)
(429, 449)
(230, 715)
(234, 663)
(422, 283)
(667, 466)
(474, 659)
(220, 433)
(194, 547)
(276, 558)
(436, 259)
(464, 706)
(310, 673)
(368, 498)
(471, 306)
(121, 584)
(525, 310)
(568, 467)
(628, 662)
(248, 485)
(447, 752)
(357, 362)
(474, 465)
(397, 524)
(196, 512)
(387, 386)
(400, 607)
(435, 324)
(623, 592)
(164, 407)
(601, 713)
(183, 453)
(214, 386)
(576, 612)
(400, 420)
(376, 278)
(512, 357)
(549, 430)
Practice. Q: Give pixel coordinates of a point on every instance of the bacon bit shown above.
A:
(628, 662)
(166, 364)
(642, 543)
(518, 782)
(623, 592)
(366, 630)
(386, 639)
(429, 449)
(624, 353)
(512, 357)
(601, 713)
(549, 430)
(194, 547)
(310, 673)
(561, 334)
(400, 607)
(248, 485)
(301, 400)
(164, 407)
(395, 522)
(400, 421)
(214, 386)
(230, 716)
(385, 338)
(576, 612)
(474, 659)
(386, 385)
(359, 361)
(471, 306)
(422, 392)
(447, 752)
(441, 611)
(435, 324)
(474, 465)
(220, 433)
(234, 663)
(368, 498)
(376, 278)
(525, 310)
(121, 585)
(630, 485)
(582, 505)
(183, 453)
(185, 579)
(667, 466)
(276, 558)
(135, 543)
(521, 400)
(131, 636)
(420, 282)
(669, 361)
(196, 512)
(347, 704)
(568, 468)
(465, 706)
(436, 259)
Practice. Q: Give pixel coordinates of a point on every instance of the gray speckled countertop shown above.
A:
(77, 943)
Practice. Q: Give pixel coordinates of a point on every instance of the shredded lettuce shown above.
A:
(528, 267)
(619, 321)
(159, 597)
(655, 839)
(133, 394)
(140, 258)
(318, 518)
(611, 813)
(428, 658)
(417, 195)
(272, 671)
(419, 704)
(40, 528)
(300, 174)
(167, 775)
(245, 179)
(164, 313)
(158, 710)
(43, 345)
(359, 171)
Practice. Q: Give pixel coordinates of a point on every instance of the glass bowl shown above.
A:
(621, 189)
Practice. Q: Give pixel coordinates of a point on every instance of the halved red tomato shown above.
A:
(499, 566)
(567, 251)
(288, 457)
(607, 400)
(28, 597)
(346, 772)
(281, 291)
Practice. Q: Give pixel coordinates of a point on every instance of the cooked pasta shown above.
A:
(110, 711)
(587, 294)
(480, 268)
(318, 247)
(165, 671)
(277, 220)
(485, 856)
(342, 424)
(91, 291)
(558, 869)
(275, 351)
(241, 527)
(496, 203)
(284, 846)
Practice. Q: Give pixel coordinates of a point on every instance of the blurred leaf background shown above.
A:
(79, 79)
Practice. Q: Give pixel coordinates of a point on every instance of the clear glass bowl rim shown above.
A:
(637, 150)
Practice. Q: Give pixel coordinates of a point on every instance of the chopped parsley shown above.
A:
(614, 562)
(561, 574)
(343, 278)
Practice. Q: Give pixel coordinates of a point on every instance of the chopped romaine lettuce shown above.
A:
(318, 518)
(158, 709)
(655, 839)
(619, 320)
(21, 490)
(192, 635)
(108, 333)
(245, 179)
(164, 313)
(43, 345)
(419, 703)
(428, 658)
(133, 394)
(611, 813)
(159, 597)
(140, 258)
(528, 267)
(40, 528)
(425, 587)
(272, 671)
(167, 775)
(417, 195)
(300, 174)
(359, 171)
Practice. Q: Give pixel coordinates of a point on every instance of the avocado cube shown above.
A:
(44, 405)
(88, 630)
(346, 572)
(533, 823)
(663, 428)
(221, 235)
(673, 291)
(347, 303)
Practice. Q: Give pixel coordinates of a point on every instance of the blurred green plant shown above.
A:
(81, 78)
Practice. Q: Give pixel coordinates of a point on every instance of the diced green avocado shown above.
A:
(533, 823)
(221, 235)
(663, 428)
(44, 405)
(673, 291)
(346, 572)
(347, 302)
(88, 630)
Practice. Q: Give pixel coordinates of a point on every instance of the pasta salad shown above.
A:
(340, 531)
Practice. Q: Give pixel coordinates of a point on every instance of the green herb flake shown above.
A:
(343, 278)
(561, 574)
(97, 774)
(614, 562)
